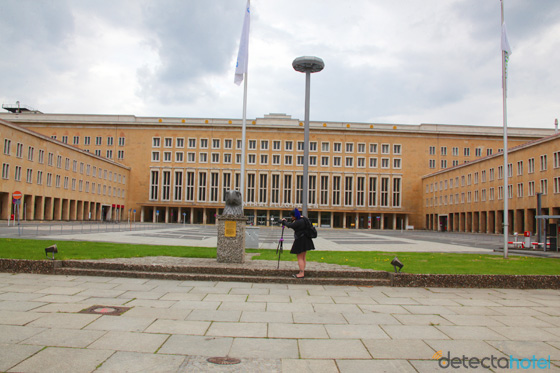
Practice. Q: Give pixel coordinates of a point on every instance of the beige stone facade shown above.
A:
(361, 175)
(470, 197)
(57, 181)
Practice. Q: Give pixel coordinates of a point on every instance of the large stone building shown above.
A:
(361, 175)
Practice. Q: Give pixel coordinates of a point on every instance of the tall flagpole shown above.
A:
(505, 55)
(241, 72)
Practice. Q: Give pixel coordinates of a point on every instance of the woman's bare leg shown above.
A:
(301, 263)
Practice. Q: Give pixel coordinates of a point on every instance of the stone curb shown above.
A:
(396, 279)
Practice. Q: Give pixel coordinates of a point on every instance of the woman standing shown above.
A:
(302, 243)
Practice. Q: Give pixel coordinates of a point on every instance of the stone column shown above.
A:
(231, 238)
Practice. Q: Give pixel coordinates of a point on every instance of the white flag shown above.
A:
(243, 54)
(505, 43)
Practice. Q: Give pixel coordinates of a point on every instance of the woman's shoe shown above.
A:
(296, 276)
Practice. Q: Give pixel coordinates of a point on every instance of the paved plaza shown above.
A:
(174, 326)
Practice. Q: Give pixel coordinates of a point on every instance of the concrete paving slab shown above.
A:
(65, 338)
(178, 327)
(17, 318)
(351, 366)
(57, 359)
(264, 348)
(209, 290)
(57, 290)
(413, 332)
(526, 349)
(332, 349)
(129, 341)
(554, 320)
(526, 333)
(182, 296)
(474, 320)
(154, 303)
(289, 307)
(11, 296)
(157, 313)
(475, 310)
(314, 299)
(196, 305)
(398, 349)
(22, 306)
(518, 311)
(470, 332)
(12, 354)
(319, 318)
(122, 361)
(225, 298)
(102, 293)
(230, 329)
(251, 291)
(429, 310)
(134, 294)
(371, 319)
(267, 317)
(16, 333)
(308, 366)
(64, 320)
(337, 308)
(123, 324)
(355, 332)
(422, 320)
(522, 321)
(56, 298)
(269, 298)
(353, 300)
(63, 307)
(208, 315)
(197, 345)
(431, 365)
(242, 306)
(201, 364)
(296, 331)
(464, 347)
(382, 308)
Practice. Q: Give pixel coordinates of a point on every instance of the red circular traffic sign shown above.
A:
(17, 195)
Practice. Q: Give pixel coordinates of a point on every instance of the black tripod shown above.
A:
(280, 247)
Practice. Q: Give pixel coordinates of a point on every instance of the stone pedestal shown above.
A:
(231, 238)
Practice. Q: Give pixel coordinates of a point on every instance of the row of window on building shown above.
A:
(481, 196)
(87, 140)
(466, 151)
(59, 181)
(266, 189)
(474, 177)
(276, 159)
(264, 145)
(74, 165)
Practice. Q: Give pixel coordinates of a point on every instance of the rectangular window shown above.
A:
(531, 189)
(191, 157)
(384, 202)
(154, 185)
(192, 143)
(556, 185)
(519, 168)
(467, 152)
(41, 156)
(385, 148)
(300, 146)
(121, 141)
(203, 157)
(520, 190)
(556, 159)
(372, 191)
(349, 147)
(455, 151)
(30, 151)
(360, 190)
(226, 184)
(299, 189)
(252, 159)
(444, 163)
(39, 177)
(337, 147)
(544, 186)
(189, 186)
(214, 186)
(544, 162)
(432, 150)
(227, 158)
(155, 156)
(263, 187)
(87, 140)
(98, 140)
(324, 192)
(361, 162)
(325, 147)
(444, 150)
(373, 148)
(203, 143)
(215, 143)
(288, 145)
(349, 161)
(275, 190)
(110, 141)
(178, 187)
(337, 161)
(396, 163)
(5, 171)
(312, 188)
(252, 145)
(201, 186)
(276, 159)
(179, 157)
(336, 191)
(264, 144)
(215, 157)
(276, 144)
(531, 165)
(396, 192)
(264, 159)
(288, 160)
(287, 189)
(65, 139)
(49, 179)
(109, 154)
(348, 189)
(251, 188)
(432, 163)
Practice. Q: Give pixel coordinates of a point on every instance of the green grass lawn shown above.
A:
(413, 262)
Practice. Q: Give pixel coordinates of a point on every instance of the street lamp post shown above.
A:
(307, 65)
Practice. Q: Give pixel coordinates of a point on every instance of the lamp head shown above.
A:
(51, 249)
(397, 263)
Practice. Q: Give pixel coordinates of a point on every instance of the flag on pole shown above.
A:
(505, 42)
(243, 54)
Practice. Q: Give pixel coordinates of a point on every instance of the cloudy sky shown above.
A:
(407, 61)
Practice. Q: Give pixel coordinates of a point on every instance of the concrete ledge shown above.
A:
(475, 281)
(258, 275)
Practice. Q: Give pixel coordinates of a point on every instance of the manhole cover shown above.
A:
(105, 310)
(223, 360)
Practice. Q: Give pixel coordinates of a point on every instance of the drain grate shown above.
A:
(105, 310)
(223, 360)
